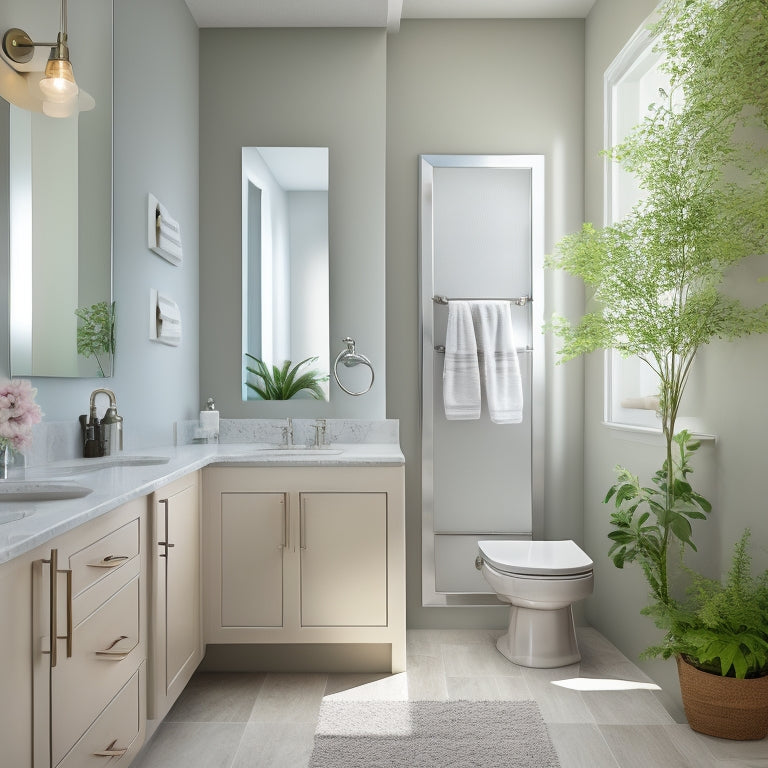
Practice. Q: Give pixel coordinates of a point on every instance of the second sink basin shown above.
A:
(80, 466)
(300, 451)
(37, 490)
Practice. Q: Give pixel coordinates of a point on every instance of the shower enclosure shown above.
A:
(481, 236)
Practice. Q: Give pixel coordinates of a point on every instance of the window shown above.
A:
(631, 84)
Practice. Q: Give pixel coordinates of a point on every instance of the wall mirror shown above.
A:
(60, 211)
(285, 273)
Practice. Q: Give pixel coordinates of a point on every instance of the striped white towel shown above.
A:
(500, 369)
(167, 236)
(461, 373)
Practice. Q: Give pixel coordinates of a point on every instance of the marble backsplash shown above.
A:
(271, 431)
(62, 440)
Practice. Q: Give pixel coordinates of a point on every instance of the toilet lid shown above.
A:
(545, 558)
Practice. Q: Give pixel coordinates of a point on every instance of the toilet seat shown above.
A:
(548, 559)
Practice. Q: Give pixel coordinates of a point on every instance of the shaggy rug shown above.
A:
(432, 734)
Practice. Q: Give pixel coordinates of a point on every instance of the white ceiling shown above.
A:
(373, 13)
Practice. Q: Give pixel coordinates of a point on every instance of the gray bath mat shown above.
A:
(432, 734)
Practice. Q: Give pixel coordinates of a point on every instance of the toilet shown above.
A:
(541, 580)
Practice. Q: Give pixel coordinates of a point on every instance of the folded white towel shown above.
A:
(168, 321)
(164, 233)
(169, 237)
(461, 374)
(500, 369)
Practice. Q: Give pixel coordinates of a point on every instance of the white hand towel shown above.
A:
(461, 373)
(500, 369)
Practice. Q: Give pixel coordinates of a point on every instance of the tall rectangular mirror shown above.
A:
(60, 212)
(285, 273)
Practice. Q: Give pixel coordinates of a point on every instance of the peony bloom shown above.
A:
(18, 413)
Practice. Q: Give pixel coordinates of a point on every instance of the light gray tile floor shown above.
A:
(267, 720)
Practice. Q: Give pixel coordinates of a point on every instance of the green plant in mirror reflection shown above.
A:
(284, 382)
(96, 332)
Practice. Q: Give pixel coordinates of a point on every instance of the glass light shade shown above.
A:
(59, 81)
(64, 108)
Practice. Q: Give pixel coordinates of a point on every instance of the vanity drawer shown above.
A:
(104, 556)
(115, 730)
(100, 665)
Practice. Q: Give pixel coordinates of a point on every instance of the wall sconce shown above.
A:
(59, 88)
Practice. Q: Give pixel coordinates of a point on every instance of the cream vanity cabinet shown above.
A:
(86, 594)
(176, 642)
(305, 555)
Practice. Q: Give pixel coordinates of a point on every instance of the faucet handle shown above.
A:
(320, 427)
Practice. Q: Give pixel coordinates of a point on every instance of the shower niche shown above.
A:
(481, 237)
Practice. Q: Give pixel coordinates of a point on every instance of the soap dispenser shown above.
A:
(112, 431)
(209, 422)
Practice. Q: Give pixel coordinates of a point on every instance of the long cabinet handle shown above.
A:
(286, 502)
(54, 607)
(111, 751)
(303, 524)
(69, 634)
(165, 543)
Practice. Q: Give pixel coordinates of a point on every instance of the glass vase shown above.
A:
(5, 460)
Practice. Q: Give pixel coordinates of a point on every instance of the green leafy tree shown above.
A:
(284, 382)
(96, 332)
(701, 162)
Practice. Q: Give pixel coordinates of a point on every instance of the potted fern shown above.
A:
(719, 637)
(657, 274)
(284, 382)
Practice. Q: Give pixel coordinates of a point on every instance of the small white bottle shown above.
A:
(209, 422)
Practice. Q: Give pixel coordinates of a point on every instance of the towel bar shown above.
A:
(440, 348)
(520, 301)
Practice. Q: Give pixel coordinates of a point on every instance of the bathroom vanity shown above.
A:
(305, 555)
(222, 544)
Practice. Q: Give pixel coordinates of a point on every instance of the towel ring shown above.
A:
(350, 359)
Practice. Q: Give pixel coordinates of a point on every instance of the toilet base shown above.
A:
(540, 638)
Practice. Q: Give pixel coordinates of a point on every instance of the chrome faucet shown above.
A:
(288, 433)
(320, 426)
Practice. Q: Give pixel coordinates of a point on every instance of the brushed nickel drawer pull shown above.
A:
(118, 649)
(110, 561)
(111, 751)
(303, 524)
(70, 633)
(165, 544)
(53, 607)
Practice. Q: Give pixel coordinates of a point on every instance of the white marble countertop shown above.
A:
(112, 486)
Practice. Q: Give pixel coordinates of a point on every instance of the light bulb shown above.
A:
(59, 84)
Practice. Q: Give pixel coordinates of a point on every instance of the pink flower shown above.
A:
(18, 413)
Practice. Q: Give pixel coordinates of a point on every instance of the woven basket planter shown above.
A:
(724, 706)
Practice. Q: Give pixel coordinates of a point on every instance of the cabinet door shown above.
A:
(254, 533)
(177, 648)
(343, 540)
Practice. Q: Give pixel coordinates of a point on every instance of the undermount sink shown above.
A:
(79, 466)
(37, 490)
(300, 451)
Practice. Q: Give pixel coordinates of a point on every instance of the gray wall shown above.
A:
(155, 149)
(300, 87)
(730, 380)
(483, 87)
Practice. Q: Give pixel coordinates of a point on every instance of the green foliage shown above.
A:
(96, 331)
(657, 274)
(700, 159)
(647, 517)
(285, 382)
(721, 628)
